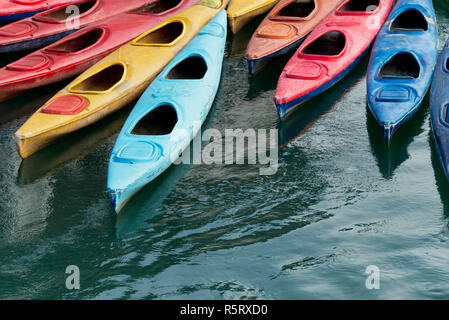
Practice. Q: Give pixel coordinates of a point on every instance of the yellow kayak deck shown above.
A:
(116, 81)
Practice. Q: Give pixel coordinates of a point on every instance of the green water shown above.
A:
(340, 201)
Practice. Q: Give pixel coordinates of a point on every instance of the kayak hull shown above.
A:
(312, 71)
(394, 98)
(18, 16)
(278, 35)
(439, 102)
(240, 12)
(33, 43)
(128, 174)
(128, 62)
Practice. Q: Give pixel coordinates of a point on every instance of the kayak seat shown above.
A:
(160, 121)
(66, 105)
(18, 29)
(410, 20)
(402, 65)
(192, 68)
(297, 9)
(165, 35)
(394, 94)
(62, 14)
(360, 6)
(329, 44)
(77, 44)
(34, 62)
(139, 151)
(158, 7)
(100, 82)
(276, 31)
(306, 70)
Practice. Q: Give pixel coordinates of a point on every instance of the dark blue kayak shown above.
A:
(439, 104)
(402, 64)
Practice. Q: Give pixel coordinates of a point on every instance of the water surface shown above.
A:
(340, 201)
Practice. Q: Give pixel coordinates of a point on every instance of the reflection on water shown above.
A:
(305, 116)
(267, 78)
(389, 158)
(72, 147)
(240, 40)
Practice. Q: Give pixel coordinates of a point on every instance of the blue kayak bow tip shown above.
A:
(114, 197)
(388, 133)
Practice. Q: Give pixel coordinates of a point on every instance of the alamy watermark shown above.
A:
(232, 146)
(72, 282)
(373, 280)
(73, 20)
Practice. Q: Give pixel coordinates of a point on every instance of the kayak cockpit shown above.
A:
(329, 44)
(402, 65)
(297, 9)
(101, 82)
(77, 44)
(158, 7)
(160, 121)
(410, 20)
(360, 6)
(166, 35)
(192, 68)
(62, 14)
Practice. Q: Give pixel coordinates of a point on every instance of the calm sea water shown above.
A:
(340, 201)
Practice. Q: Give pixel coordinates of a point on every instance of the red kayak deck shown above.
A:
(81, 50)
(14, 7)
(332, 48)
(58, 20)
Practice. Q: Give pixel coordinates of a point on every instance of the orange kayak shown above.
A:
(285, 28)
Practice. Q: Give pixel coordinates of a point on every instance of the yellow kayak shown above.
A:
(240, 12)
(115, 81)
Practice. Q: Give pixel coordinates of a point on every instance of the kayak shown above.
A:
(115, 81)
(439, 104)
(52, 25)
(240, 12)
(12, 10)
(402, 64)
(79, 51)
(331, 51)
(168, 115)
(285, 28)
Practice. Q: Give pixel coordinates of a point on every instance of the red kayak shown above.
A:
(12, 10)
(332, 50)
(81, 50)
(52, 25)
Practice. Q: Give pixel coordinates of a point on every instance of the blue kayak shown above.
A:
(168, 115)
(402, 63)
(439, 104)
